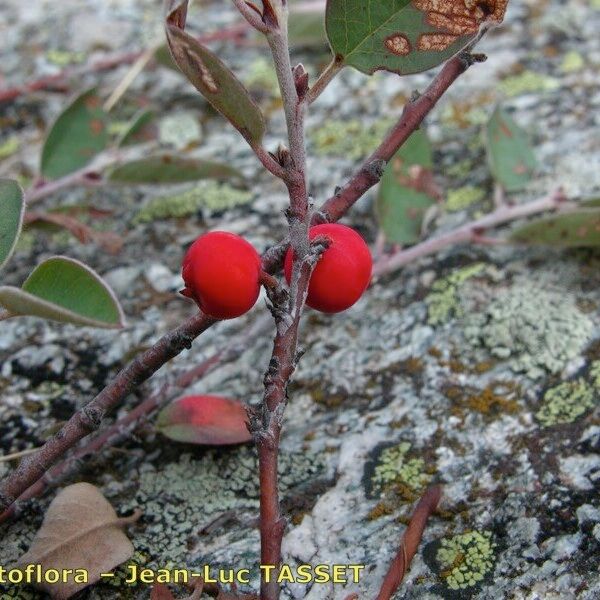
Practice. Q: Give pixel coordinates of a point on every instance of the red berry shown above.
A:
(343, 272)
(221, 272)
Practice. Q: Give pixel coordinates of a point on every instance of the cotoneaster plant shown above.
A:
(327, 266)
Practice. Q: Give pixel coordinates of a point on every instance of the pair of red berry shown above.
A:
(222, 272)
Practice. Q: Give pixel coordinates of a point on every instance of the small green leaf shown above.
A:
(402, 200)
(170, 169)
(78, 134)
(404, 36)
(213, 79)
(574, 229)
(138, 130)
(511, 159)
(12, 209)
(63, 289)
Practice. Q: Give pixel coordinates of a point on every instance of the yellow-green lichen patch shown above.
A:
(398, 470)
(572, 62)
(526, 83)
(351, 139)
(566, 402)
(208, 195)
(443, 302)
(466, 559)
(464, 197)
(538, 330)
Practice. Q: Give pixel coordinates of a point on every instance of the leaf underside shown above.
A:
(573, 229)
(404, 36)
(12, 209)
(63, 289)
(213, 79)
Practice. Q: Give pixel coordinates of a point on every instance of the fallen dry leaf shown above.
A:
(81, 530)
(210, 420)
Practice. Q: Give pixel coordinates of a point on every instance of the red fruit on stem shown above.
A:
(221, 272)
(343, 272)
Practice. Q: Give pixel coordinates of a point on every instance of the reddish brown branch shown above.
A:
(121, 428)
(410, 542)
(415, 111)
(88, 419)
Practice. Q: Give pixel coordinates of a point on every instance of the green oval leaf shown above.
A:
(573, 229)
(78, 134)
(213, 79)
(12, 209)
(170, 169)
(209, 420)
(63, 289)
(404, 36)
(511, 159)
(402, 199)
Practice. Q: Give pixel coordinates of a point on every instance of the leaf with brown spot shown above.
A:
(405, 36)
(212, 78)
(81, 530)
(78, 134)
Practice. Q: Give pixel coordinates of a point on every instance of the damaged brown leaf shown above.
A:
(81, 530)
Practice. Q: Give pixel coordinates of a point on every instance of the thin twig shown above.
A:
(324, 79)
(121, 428)
(252, 16)
(410, 542)
(413, 115)
(15, 455)
(470, 232)
(89, 418)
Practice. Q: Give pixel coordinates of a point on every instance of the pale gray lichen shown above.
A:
(566, 402)
(180, 498)
(537, 329)
(466, 559)
(396, 469)
(209, 195)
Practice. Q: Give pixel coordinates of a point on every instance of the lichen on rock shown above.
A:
(182, 497)
(396, 469)
(209, 195)
(443, 301)
(566, 402)
(466, 559)
(539, 330)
